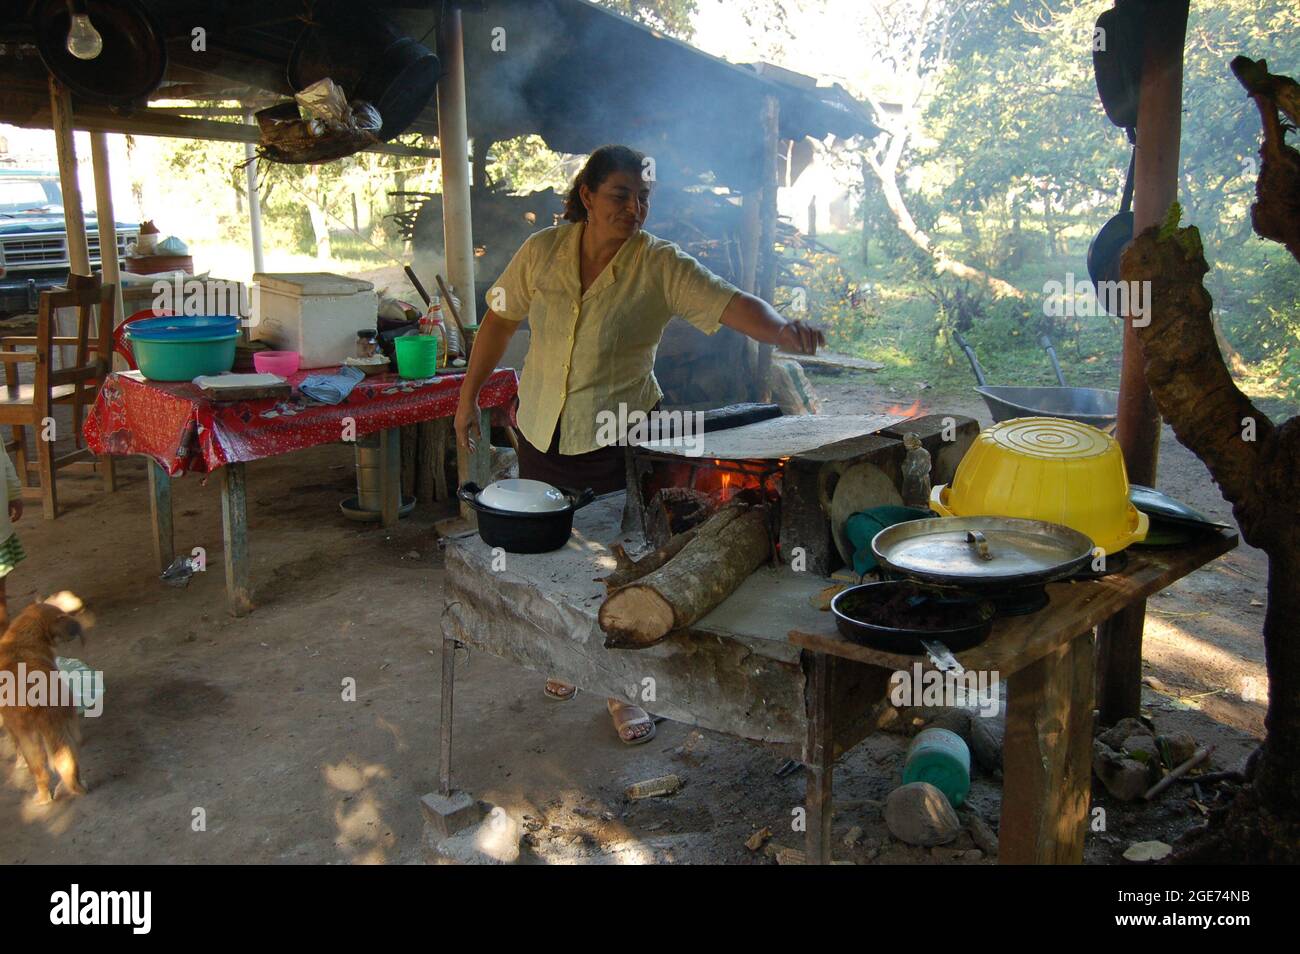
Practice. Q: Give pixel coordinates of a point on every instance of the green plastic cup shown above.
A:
(417, 356)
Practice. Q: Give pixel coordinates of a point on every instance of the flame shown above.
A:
(897, 410)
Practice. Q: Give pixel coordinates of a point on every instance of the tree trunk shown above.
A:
(868, 213)
(315, 209)
(1254, 462)
(1278, 779)
(943, 263)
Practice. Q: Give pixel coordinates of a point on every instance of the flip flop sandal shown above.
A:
(559, 696)
(622, 720)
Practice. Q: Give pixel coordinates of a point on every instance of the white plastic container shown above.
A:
(316, 314)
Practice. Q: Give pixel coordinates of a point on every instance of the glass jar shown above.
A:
(367, 343)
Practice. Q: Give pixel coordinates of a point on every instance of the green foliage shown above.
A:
(1016, 168)
(525, 164)
(670, 16)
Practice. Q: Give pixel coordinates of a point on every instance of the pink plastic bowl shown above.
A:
(283, 363)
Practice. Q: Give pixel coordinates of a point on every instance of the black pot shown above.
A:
(969, 618)
(517, 532)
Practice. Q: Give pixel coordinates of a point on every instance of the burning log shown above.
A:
(692, 577)
(675, 510)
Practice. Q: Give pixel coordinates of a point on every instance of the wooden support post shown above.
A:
(254, 201)
(439, 436)
(1047, 758)
(234, 528)
(453, 143)
(1155, 176)
(390, 475)
(109, 264)
(819, 762)
(74, 221)
(428, 464)
(410, 445)
(766, 275)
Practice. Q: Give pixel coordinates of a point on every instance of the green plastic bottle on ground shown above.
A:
(941, 758)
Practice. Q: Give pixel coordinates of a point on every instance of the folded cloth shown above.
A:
(331, 388)
(862, 527)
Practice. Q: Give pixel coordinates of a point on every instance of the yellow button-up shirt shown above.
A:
(592, 352)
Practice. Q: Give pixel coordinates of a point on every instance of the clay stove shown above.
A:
(812, 471)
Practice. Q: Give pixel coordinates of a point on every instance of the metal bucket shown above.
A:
(370, 494)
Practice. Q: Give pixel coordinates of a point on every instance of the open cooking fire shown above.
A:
(718, 479)
(726, 478)
(680, 492)
(914, 410)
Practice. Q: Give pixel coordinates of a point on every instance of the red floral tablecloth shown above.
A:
(182, 429)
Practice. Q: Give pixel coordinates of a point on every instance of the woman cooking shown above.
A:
(598, 292)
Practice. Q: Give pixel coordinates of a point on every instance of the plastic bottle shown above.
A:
(916, 472)
(432, 324)
(941, 758)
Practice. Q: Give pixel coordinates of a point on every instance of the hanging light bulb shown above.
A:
(84, 41)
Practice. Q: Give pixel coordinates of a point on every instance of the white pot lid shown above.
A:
(523, 496)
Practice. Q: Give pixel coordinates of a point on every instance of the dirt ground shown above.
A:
(227, 740)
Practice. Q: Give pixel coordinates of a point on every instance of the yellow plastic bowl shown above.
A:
(1046, 468)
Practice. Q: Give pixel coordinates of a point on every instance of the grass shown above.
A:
(901, 325)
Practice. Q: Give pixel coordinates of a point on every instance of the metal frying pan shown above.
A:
(1171, 510)
(1117, 66)
(962, 620)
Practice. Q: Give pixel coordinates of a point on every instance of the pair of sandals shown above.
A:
(628, 719)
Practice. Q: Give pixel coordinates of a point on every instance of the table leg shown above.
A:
(390, 474)
(819, 760)
(108, 464)
(1119, 654)
(1047, 758)
(160, 515)
(476, 466)
(234, 528)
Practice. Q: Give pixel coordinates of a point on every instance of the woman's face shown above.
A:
(619, 206)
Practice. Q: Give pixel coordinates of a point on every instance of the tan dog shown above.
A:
(42, 729)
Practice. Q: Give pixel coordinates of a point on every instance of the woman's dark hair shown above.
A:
(598, 167)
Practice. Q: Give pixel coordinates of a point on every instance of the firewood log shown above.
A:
(626, 570)
(723, 551)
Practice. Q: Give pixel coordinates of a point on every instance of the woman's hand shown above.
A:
(757, 319)
(467, 429)
(800, 338)
(16, 510)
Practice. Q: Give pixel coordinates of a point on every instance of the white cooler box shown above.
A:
(314, 313)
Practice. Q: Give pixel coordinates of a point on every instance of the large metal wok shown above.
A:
(1098, 407)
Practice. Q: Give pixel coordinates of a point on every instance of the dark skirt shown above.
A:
(603, 469)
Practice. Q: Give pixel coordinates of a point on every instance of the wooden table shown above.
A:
(179, 429)
(1048, 659)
